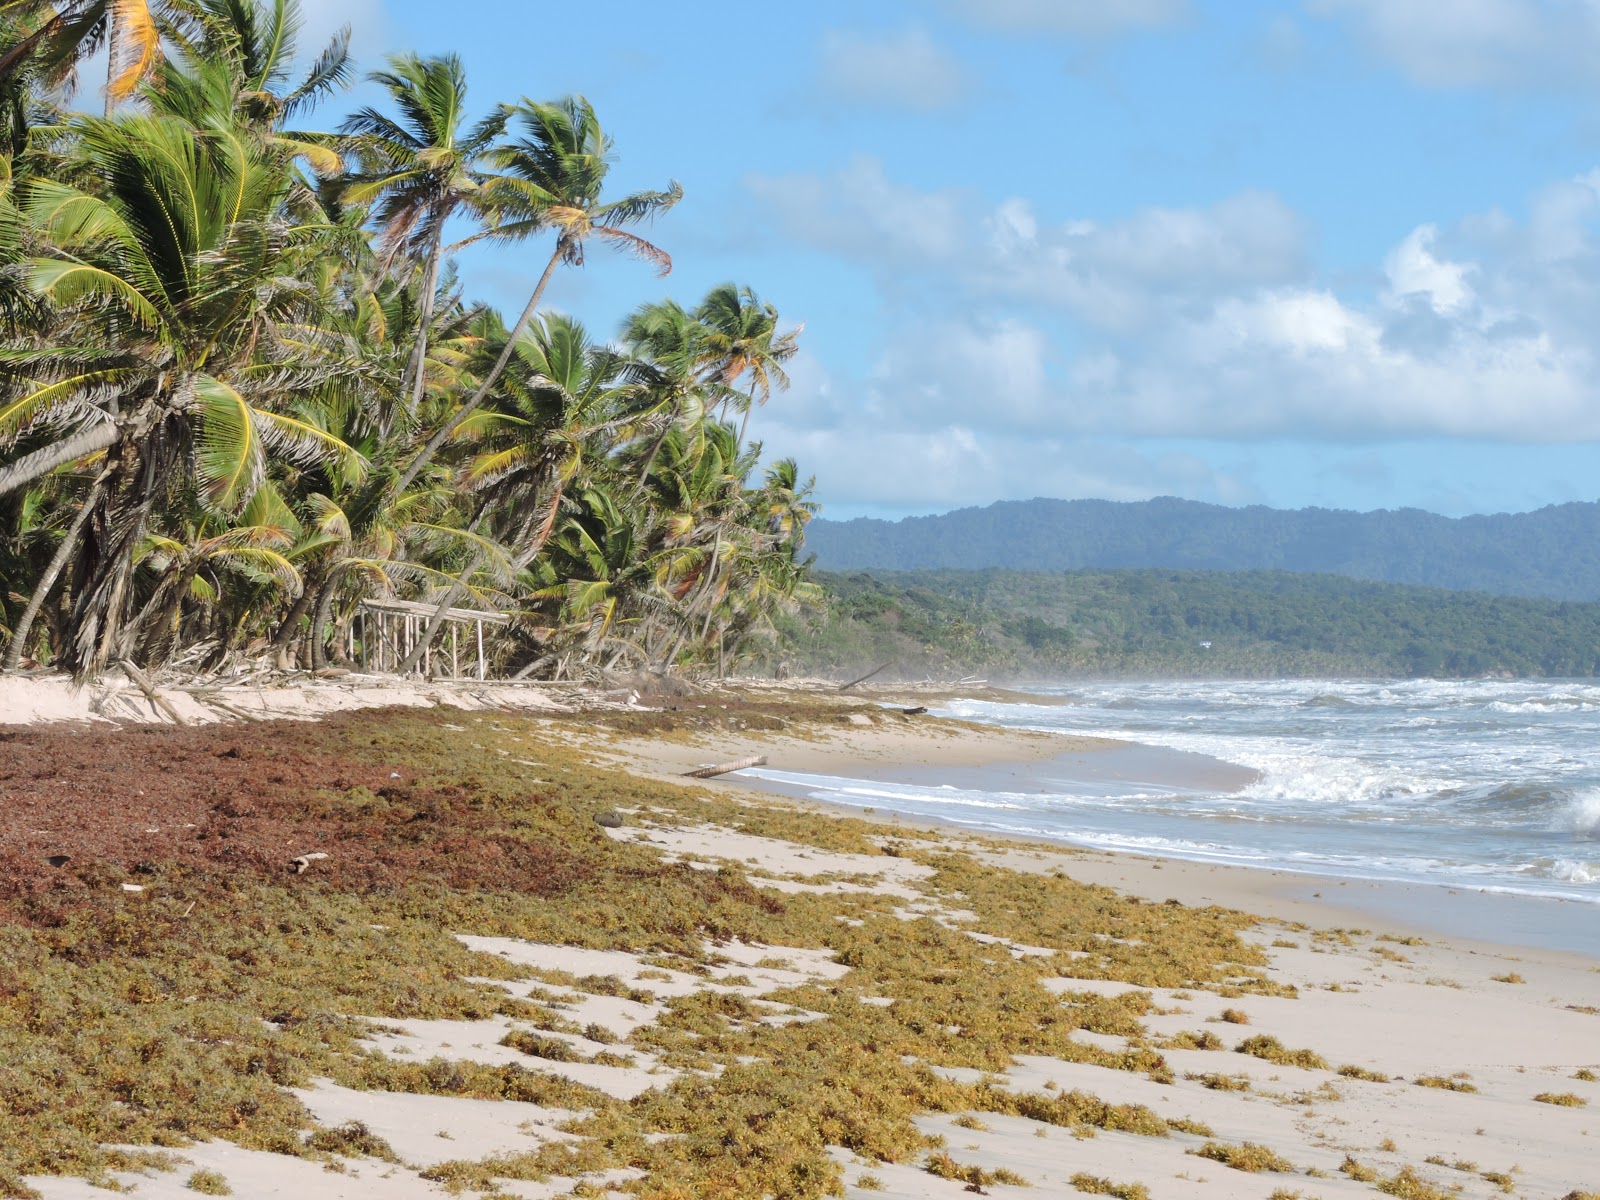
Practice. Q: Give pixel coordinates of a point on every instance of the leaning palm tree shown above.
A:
(170, 287)
(418, 171)
(551, 177)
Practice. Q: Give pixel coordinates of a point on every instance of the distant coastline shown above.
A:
(1553, 552)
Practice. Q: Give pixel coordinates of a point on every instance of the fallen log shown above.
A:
(149, 689)
(845, 687)
(739, 764)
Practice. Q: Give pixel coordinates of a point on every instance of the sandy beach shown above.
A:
(1003, 1028)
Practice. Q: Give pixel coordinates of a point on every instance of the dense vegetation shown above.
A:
(1185, 623)
(1554, 552)
(243, 389)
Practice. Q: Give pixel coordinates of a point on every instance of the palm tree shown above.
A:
(256, 42)
(189, 264)
(742, 340)
(64, 35)
(418, 172)
(551, 177)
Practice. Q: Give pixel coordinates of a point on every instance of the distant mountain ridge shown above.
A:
(1552, 553)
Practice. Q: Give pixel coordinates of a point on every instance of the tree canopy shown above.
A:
(245, 387)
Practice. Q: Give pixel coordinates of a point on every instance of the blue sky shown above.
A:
(1336, 252)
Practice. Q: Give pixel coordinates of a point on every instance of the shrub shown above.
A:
(1439, 1081)
(1266, 1046)
(1246, 1156)
(1564, 1099)
(1351, 1071)
(1099, 1186)
(211, 1183)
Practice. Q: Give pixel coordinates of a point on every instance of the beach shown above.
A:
(695, 988)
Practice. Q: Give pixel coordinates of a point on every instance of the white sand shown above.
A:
(41, 699)
(1439, 1012)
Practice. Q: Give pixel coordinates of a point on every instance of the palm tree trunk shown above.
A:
(425, 455)
(319, 656)
(416, 370)
(58, 561)
(744, 422)
(291, 623)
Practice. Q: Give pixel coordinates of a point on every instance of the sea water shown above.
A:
(1487, 784)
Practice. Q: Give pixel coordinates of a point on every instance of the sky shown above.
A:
(1337, 253)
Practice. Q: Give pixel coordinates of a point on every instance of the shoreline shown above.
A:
(1501, 919)
(1373, 1056)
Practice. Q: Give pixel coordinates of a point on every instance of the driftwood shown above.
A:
(223, 706)
(739, 764)
(149, 689)
(845, 687)
(303, 863)
(914, 712)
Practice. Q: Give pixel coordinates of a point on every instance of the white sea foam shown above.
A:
(1582, 814)
(1571, 870)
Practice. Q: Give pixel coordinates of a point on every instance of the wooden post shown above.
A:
(455, 661)
(483, 668)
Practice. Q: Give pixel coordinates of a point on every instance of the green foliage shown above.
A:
(244, 390)
(1126, 622)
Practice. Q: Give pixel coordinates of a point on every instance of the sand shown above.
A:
(1385, 994)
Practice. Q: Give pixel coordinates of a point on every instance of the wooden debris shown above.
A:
(738, 764)
(302, 864)
(149, 689)
(845, 687)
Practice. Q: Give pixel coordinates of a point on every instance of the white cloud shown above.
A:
(907, 69)
(1208, 323)
(859, 213)
(1413, 270)
(942, 467)
(1092, 18)
(1478, 43)
(1123, 274)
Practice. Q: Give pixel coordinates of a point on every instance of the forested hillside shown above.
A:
(1184, 623)
(1554, 552)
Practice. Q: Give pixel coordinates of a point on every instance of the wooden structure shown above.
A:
(390, 628)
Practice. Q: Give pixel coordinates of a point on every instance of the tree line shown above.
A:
(1553, 552)
(244, 388)
(1254, 624)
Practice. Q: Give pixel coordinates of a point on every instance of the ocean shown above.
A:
(1492, 785)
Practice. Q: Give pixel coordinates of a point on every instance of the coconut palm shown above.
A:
(63, 35)
(187, 261)
(551, 177)
(417, 172)
(741, 341)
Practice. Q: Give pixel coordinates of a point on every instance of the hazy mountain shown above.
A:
(1554, 552)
